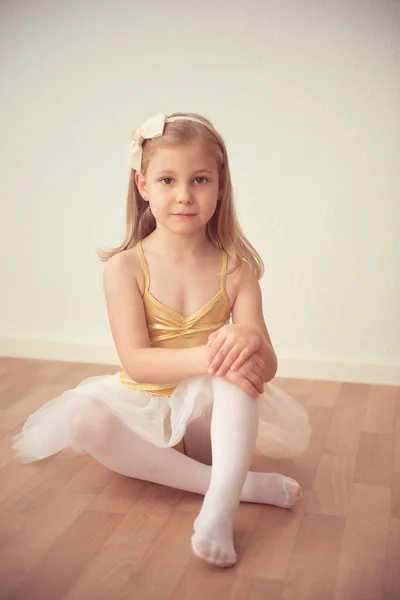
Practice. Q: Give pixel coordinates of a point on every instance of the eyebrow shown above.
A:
(174, 173)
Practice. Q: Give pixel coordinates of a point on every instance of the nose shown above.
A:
(184, 195)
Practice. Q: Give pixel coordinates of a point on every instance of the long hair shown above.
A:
(223, 229)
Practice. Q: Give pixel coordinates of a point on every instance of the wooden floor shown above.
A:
(71, 529)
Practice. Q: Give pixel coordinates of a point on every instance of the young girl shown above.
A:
(185, 312)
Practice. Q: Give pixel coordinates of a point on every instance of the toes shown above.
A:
(293, 493)
(212, 553)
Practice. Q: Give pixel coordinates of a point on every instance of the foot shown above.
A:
(212, 552)
(292, 492)
(213, 529)
(271, 488)
(213, 533)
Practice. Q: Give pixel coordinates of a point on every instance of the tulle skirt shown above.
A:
(283, 431)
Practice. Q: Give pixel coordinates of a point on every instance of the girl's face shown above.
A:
(182, 185)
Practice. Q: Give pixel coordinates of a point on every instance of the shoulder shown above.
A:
(242, 279)
(247, 274)
(243, 276)
(123, 268)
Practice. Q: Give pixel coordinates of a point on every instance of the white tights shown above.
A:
(233, 430)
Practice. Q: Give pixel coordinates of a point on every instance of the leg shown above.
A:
(234, 426)
(97, 431)
(265, 488)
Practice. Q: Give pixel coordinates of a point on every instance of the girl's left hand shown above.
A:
(231, 346)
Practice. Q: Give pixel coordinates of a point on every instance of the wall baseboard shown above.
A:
(388, 374)
(385, 374)
(54, 350)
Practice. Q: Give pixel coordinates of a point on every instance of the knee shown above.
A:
(90, 423)
(223, 387)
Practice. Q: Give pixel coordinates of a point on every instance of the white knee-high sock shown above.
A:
(233, 432)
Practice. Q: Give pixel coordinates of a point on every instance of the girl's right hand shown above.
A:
(250, 376)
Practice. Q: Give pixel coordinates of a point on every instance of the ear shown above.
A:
(140, 181)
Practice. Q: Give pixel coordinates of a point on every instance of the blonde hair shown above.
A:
(223, 229)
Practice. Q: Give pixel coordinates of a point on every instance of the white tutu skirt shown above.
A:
(283, 431)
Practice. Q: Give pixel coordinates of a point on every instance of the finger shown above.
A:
(256, 381)
(248, 387)
(241, 359)
(212, 337)
(259, 372)
(228, 361)
(220, 356)
(254, 374)
(260, 362)
(256, 363)
(243, 382)
(216, 344)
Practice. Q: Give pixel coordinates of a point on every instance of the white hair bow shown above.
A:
(152, 128)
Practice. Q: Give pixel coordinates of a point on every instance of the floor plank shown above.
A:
(70, 529)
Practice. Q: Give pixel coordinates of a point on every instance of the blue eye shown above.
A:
(202, 178)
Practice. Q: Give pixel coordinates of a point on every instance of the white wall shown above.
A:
(307, 97)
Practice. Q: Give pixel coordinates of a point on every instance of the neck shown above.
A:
(170, 242)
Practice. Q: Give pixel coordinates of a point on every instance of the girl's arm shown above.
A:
(129, 330)
(248, 310)
(233, 344)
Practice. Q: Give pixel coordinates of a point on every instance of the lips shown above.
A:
(184, 214)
